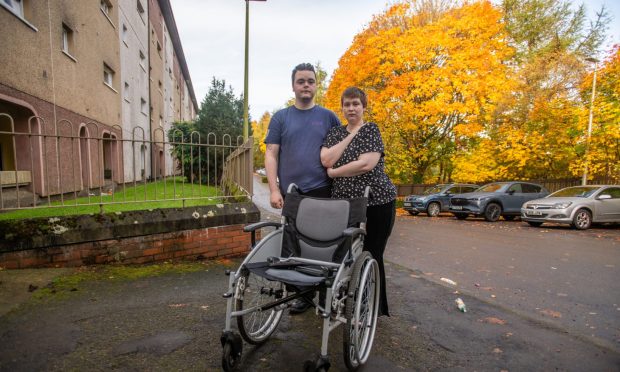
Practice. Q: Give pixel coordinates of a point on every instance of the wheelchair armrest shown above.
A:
(353, 232)
(255, 226)
(258, 225)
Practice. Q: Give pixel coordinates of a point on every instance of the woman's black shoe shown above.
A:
(299, 306)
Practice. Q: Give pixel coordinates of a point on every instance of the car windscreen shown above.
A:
(432, 190)
(492, 187)
(579, 191)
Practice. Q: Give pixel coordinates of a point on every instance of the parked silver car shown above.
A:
(579, 206)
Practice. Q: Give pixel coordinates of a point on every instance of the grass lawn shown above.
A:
(141, 197)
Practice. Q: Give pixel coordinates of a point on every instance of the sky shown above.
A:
(283, 33)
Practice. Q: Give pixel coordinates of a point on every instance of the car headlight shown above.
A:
(562, 205)
(479, 199)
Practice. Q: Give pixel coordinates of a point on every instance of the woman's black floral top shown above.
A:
(367, 139)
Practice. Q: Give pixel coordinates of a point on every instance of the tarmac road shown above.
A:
(554, 274)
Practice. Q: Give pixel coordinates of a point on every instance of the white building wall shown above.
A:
(133, 34)
(186, 105)
(169, 83)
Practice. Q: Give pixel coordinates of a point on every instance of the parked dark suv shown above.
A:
(435, 199)
(496, 199)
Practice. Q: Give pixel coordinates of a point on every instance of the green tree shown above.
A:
(219, 125)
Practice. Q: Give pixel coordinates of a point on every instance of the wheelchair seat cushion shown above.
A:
(295, 277)
(287, 274)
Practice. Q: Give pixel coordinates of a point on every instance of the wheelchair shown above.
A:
(317, 246)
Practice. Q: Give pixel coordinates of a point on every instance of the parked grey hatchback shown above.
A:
(579, 206)
(435, 199)
(496, 199)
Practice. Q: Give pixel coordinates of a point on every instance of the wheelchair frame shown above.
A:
(351, 298)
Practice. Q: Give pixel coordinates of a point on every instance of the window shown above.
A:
(158, 49)
(108, 75)
(124, 34)
(516, 188)
(126, 94)
(140, 9)
(67, 39)
(16, 6)
(106, 7)
(614, 192)
(142, 60)
(530, 189)
(143, 106)
(161, 121)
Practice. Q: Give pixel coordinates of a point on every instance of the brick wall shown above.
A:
(129, 238)
(188, 244)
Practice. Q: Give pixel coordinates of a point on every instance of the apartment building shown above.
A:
(89, 72)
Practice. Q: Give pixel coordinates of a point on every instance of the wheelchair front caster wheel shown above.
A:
(229, 359)
(232, 349)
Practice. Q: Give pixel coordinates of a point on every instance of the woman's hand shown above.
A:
(330, 173)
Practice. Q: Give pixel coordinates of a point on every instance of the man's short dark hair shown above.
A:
(354, 92)
(302, 67)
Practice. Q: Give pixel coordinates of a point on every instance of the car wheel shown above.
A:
(492, 212)
(413, 213)
(582, 219)
(460, 216)
(510, 218)
(433, 210)
(534, 223)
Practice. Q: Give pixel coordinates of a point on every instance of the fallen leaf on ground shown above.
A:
(177, 305)
(551, 313)
(492, 320)
(497, 350)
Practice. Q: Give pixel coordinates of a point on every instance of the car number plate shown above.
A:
(407, 204)
(534, 213)
(456, 207)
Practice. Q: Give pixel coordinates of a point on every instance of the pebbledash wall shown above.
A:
(128, 237)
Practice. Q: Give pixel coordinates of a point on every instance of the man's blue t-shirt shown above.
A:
(300, 134)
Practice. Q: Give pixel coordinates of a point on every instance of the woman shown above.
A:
(353, 156)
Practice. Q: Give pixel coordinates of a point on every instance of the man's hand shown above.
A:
(276, 200)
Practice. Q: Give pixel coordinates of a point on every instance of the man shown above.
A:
(294, 141)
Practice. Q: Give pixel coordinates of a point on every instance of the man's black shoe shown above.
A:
(299, 306)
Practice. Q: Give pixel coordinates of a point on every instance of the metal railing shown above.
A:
(60, 164)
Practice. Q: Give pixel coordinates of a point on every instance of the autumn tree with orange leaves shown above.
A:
(434, 74)
(259, 132)
(604, 153)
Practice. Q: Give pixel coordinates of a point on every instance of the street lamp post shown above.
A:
(245, 72)
(584, 180)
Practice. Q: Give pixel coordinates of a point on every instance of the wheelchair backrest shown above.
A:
(314, 226)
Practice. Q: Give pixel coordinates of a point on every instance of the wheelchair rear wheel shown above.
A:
(253, 290)
(361, 311)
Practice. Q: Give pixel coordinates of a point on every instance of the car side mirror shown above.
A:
(604, 197)
(510, 192)
(447, 193)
